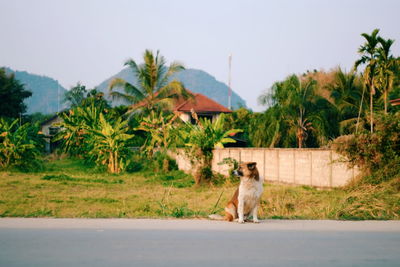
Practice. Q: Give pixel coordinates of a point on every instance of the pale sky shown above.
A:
(89, 40)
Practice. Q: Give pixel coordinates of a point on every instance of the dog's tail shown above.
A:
(216, 217)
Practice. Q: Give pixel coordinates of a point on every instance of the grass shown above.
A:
(69, 189)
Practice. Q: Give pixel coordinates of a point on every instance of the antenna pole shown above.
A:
(229, 83)
(58, 97)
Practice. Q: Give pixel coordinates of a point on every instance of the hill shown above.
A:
(45, 92)
(197, 81)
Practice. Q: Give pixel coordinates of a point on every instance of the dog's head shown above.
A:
(247, 169)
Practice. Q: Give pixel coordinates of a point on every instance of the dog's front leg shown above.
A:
(255, 211)
(241, 210)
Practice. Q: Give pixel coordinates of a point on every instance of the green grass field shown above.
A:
(68, 189)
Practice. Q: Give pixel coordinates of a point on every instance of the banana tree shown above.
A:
(159, 126)
(110, 143)
(17, 147)
(74, 127)
(201, 138)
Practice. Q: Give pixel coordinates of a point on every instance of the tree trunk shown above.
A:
(116, 165)
(385, 100)
(371, 107)
(111, 162)
(165, 166)
(300, 137)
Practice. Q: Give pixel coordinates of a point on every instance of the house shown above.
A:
(202, 105)
(205, 108)
(395, 102)
(49, 130)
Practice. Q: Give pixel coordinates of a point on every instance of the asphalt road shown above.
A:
(124, 242)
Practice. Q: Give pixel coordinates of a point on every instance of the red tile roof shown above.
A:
(200, 104)
(395, 102)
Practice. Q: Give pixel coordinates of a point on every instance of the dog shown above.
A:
(247, 197)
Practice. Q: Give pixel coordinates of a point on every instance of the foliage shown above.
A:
(109, 140)
(345, 92)
(74, 97)
(79, 96)
(73, 134)
(379, 69)
(97, 137)
(46, 92)
(378, 154)
(154, 88)
(298, 116)
(160, 129)
(36, 117)
(20, 145)
(201, 138)
(385, 70)
(239, 119)
(12, 95)
(156, 163)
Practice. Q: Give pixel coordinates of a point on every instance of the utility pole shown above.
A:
(58, 97)
(229, 83)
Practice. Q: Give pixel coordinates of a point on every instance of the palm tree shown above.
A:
(385, 75)
(345, 94)
(268, 129)
(369, 54)
(298, 116)
(154, 88)
(75, 96)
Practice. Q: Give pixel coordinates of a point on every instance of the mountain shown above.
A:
(45, 92)
(197, 81)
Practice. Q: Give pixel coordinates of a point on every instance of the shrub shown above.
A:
(158, 162)
(377, 154)
(97, 137)
(20, 145)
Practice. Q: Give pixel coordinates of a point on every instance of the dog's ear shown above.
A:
(251, 165)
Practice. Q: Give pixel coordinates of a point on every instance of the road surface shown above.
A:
(145, 242)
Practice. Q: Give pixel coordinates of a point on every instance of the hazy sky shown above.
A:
(88, 41)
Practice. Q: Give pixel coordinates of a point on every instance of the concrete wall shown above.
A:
(313, 167)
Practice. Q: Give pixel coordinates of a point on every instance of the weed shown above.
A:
(64, 178)
(56, 201)
(100, 200)
(73, 193)
(40, 213)
(177, 179)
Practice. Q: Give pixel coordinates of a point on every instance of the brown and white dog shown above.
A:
(246, 199)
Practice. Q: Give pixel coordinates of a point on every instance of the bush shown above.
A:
(377, 154)
(96, 136)
(159, 162)
(20, 146)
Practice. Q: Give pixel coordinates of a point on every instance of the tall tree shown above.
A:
(12, 95)
(154, 88)
(75, 96)
(369, 54)
(385, 74)
(345, 94)
(298, 112)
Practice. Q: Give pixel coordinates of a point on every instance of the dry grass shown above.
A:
(69, 189)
